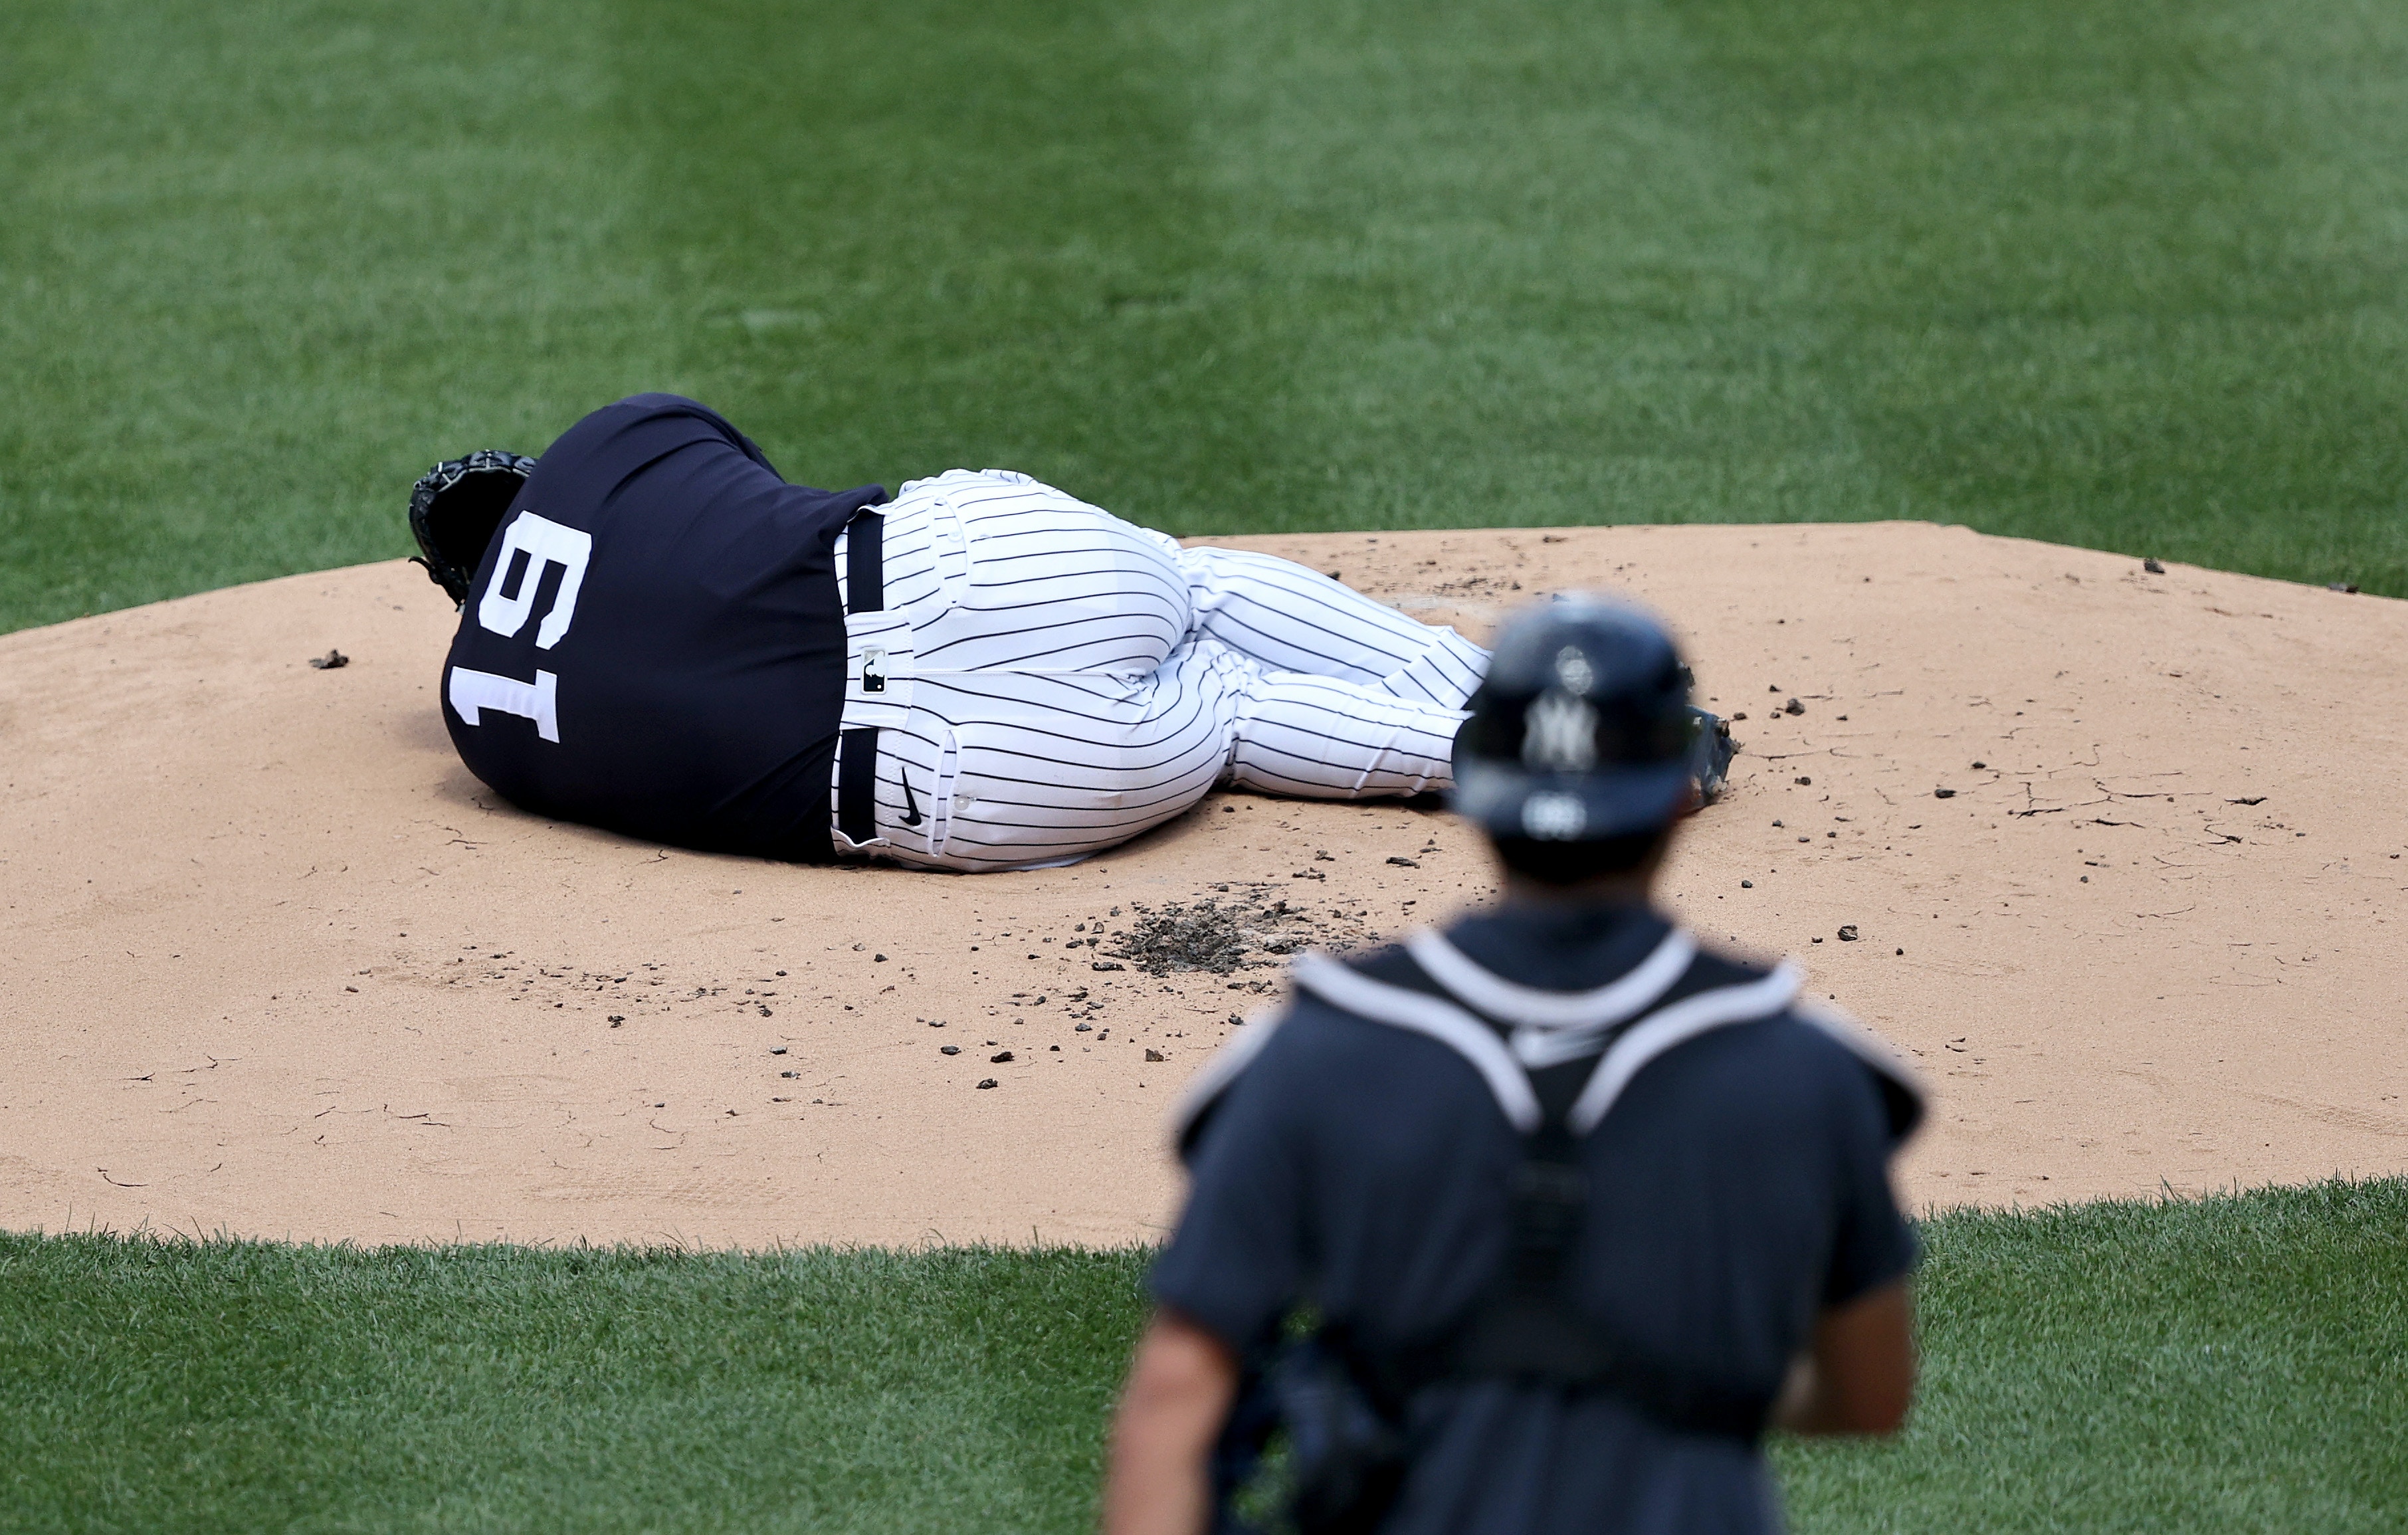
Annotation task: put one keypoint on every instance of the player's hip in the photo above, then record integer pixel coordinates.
(1005, 777)
(998, 570)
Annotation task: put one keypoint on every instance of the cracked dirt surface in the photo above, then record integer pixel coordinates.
(275, 964)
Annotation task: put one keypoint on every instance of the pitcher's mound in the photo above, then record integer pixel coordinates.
(2116, 854)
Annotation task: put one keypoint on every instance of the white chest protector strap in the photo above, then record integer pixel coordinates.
(1551, 1028)
(1504, 1070)
(1352, 991)
(1537, 1015)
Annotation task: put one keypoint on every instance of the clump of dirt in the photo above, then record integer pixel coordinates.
(1215, 934)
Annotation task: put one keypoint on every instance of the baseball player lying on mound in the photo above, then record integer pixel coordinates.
(660, 636)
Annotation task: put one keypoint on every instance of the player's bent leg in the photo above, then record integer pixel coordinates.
(1051, 767)
(1288, 618)
(1065, 694)
(1317, 737)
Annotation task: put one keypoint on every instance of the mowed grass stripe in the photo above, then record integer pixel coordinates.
(243, 1387)
(1520, 275)
(2126, 277)
(265, 261)
(954, 234)
(2230, 1363)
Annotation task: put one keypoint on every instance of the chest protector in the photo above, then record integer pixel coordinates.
(1556, 1062)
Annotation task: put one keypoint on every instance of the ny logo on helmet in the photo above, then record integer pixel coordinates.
(1559, 734)
(1573, 671)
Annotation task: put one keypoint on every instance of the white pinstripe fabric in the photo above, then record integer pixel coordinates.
(1060, 680)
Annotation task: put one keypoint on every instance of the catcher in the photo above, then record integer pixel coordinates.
(1534, 1224)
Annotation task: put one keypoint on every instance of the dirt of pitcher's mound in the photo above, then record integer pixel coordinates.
(2118, 852)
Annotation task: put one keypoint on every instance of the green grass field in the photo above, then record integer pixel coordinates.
(2230, 1364)
(2128, 275)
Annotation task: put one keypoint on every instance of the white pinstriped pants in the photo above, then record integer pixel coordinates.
(1059, 681)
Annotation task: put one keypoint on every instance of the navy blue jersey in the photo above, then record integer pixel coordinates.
(1737, 1186)
(654, 642)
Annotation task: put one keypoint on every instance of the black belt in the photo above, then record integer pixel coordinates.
(856, 755)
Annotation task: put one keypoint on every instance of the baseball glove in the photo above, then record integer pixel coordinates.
(454, 510)
(1710, 758)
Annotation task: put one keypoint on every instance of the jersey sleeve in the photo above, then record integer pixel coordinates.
(1236, 1263)
(1872, 1243)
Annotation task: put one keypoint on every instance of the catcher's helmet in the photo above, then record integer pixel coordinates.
(1582, 730)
